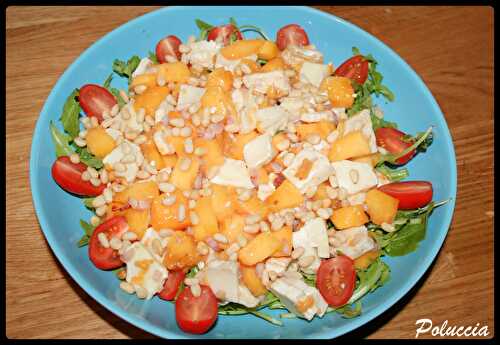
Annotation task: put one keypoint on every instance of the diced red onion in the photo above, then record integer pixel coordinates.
(212, 243)
(277, 168)
(125, 257)
(278, 180)
(139, 204)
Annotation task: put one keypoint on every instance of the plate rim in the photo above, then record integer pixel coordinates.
(149, 327)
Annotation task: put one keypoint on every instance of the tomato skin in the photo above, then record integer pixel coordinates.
(95, 99)
(107, 258)
(411, 194)
(391, 139)
(224, 32)
(355, 68)
(331, 274)
(168, 46)
(291, 34)
(171, 286)
(68, 176)
(196, 314)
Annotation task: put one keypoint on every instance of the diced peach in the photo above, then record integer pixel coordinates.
(321, 193)
(234, 148)
(253, 65)
(232, 228)
(148, 80)
(366, 259)
(177, 72)
(252, 280)
(184, 179)
(371, 159)
(268, 51)
(262, 176)
(163, 216)
(340, 91)
(284, 235)
(285, 196)
(213, 155)
(349, 216)
(260, 248)
(241, 49)
(277, 139)
(139, 191)
(150, 99)
(181, 252)
(273, 65)
(323, 128)
(169, 160)
(207, 224)
(151, 153)
(382, 207)
(252, 206)
(351, 145)
(137, 220)
(222, 78)
(99, 143)
(222, 201)
(215, 96)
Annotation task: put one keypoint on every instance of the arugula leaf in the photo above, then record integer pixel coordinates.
(379, 123)
(89, 159)
(70, 115)
(126, 69)
(424, 145)
(309, 279)
(204, 28)
(261, 62)
(392, 158)
(192, 272)
(118, 97)
(107, 82)
(367, 279)
(245, 28)
(349, 311)
(152, 57)
(266, 317)
(406, 240)
(232, 308)
(233, 22)
(88, 202)
(393, 174)
(88, 229)
(61, 141)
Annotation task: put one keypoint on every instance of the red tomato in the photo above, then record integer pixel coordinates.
(355, 68)
(411, 194)
(391, 139)
(68, 176)
(168, 46)
(223, 33)
(336, 278)
(107, 258)
(291, 34)
(171, 285)
(196, 314)
(95, 99)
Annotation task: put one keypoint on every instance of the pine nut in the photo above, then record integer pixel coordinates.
(101, 211)
(264, 227)
(103, 240)
(252, 219)
(185, 132)
(196, 290)
(251, 229)
(103, 175)
(141, 174)
(141, 292)
(74, 158)
(305, 261)
(354, 175)
(194, 218)
(202, 248)
(297, 253)
(108, 195)
(127, 287)
(156, 244)
(166, 187)
(242, 241)
(95, 182)
(181, 213)
(94, 220)
(98, 201)
(177, 122)
(191, 281)
(191, 204)
(388, 227)
(188, 145)
(233, 248)
(169, 200)
(273, 275)
(115, 243)
(220, 238)
(185, 164)
(129, 236)
(86, 176)
(164, 233)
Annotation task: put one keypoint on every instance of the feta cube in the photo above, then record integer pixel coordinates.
(233, 173)
(265, 190)
(278, 265)
(144, 270)
(189, 95)
(160, 143)
(222, 277)
(320, 171)
(259, 151)
(246, 298)
(293, 292)
(147, 240)
(313, 73)
(294, 55)
(271, 119)
(261, 82)
(366, 176)
(117, 154)
(313, 234)
(353, 242)
(317, 116)
(143, 66)
(113, 133)
(293, 105)
(203, 53)
(246, 106)
(362, 121)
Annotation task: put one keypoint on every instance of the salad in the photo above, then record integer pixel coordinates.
(236, 175)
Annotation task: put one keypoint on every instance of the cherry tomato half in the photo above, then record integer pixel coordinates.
(171, 286)
(223, 33)
(411, 194)
(336, 278)
(168, 46)
(196, 314)
(355, 68)
(291, 34)
(107, 258)
(391, 139)
(95, 99)
(68, 176)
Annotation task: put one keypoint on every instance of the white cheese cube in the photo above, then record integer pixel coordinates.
(362, 121)
(233, 173)
(320, 171)
(293, 105)
(261, 82)
(246, 298)
(313, 73)
(143, 66)
(160, 143)
(353, 242)
(366, 176)
(265, 190)
(246, 107)
(147, 239)
(316, 117)
(259, 151)
(203, 53)
(113, 133)
(144, 270)
(189, 95)
(278, 265)
(222, 277)
(294, 54)
(313, 234)
(271, 119)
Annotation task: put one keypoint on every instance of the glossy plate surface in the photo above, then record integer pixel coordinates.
(414, 110)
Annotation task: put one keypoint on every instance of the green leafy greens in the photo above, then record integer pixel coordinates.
(88, 229)
(125, 69)
(61, 141)
(70, 115)
(393, 174)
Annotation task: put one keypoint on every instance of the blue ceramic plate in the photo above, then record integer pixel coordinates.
(414, 110)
